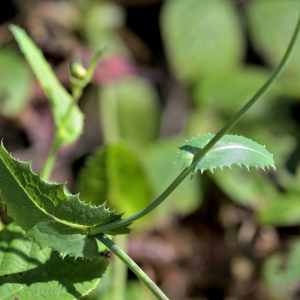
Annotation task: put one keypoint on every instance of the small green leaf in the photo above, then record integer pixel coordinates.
(70, 127)
(230, 150)
(201, 37)
(270, 41)
(14, 83)
(31, 200)
(122, 104)
(115, 173)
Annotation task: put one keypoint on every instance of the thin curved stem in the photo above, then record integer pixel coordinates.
(201, 152)
(114, 248)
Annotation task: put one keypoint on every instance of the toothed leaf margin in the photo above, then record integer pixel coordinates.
(230, 150)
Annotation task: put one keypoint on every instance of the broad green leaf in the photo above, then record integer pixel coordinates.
(271, 26)
(283, 210)
(226, 92)
(18, 253)
(115, 174)
(122, 104)
(252, 192)
(201, 37)
(14, 83)
(57, 279)
(230, 150)
(282, 271)
(31, 200)
(162, 162)
(65, 240)
(70, 127)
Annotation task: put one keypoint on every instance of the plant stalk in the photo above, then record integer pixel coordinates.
(76, 94)
(156, 291)
(202, 152)
(119, 272)
(50, 161)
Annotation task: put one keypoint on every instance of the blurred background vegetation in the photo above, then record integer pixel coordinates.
(171, 69)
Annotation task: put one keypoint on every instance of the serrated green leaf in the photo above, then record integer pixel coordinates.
(57, 279)
(14, 83)
(230, 150)
(122, 103)
(31, 200)
(65, 240)
(201, 37)
(270, 41)
(69, 127)
(18, 253)
(115, 173)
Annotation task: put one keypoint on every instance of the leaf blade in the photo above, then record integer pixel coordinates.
(71, 127)
(31, 200)
(230, 150)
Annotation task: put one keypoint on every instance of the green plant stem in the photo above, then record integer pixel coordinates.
(76, 94)
(133, 267)
(119, 272)
(50, 161)
(201, 153)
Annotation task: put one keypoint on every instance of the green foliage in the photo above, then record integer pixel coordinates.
(14, 83)
(115, 174)
(54, 217)
(65, 240)
(68, 121)
(186, 198)
(100, 24)
(283, 209)
(123, 104)
(201, 37)
(34, 273)
(253, 191)
(230, 150)
(31, 200)
(226, 91)
(271, 24)
(18, 253)
(281, 273)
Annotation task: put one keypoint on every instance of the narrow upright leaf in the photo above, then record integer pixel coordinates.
(14, 83)
(230, 150)
(71, 127)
